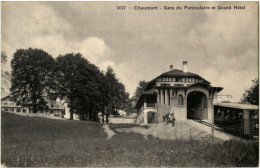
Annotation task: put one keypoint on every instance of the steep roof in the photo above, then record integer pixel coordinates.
(180, 73)
(175, 73)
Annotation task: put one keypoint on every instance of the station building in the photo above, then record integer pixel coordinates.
(187, 95)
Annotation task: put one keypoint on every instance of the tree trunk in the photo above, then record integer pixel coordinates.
(71, 113)
(107, 115)
(34, 108)
(103, 114)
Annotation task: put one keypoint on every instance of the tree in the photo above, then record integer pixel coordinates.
(3, 57)
(5, 76)
(251, 95)
(115, 93)
(77, 82)
(32, 72)
(140, 88)
(130, 107)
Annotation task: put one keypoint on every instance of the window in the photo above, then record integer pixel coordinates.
(169, 97)
(173, 79)
(24, 110)
(179, 79)
(193, 80)
(165, 84)
(183, 79)
(180, 100)
(12, 109)
(11, 104)
(18, 110)
(160, 97)
(163, 97)
(6, 109)
(178, 84)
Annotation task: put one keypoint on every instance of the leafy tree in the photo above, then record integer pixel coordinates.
(5, 76)
(140, 88)
(115, 93)
(77, 82)
(3, 57)
(32, 72)
(130, 107)
(251, 95)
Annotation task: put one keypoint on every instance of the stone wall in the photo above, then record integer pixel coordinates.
(180, 111)
(162, 110)
(122, 120)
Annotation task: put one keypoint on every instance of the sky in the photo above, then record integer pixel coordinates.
(219, 45)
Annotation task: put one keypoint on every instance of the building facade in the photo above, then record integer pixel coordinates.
(56, 109)
(184, 94)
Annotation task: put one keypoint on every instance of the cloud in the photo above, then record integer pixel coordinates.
(221, 46)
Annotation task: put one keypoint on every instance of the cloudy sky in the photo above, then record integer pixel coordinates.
(219, 45)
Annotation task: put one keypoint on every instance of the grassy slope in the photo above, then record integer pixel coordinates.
(33, 141)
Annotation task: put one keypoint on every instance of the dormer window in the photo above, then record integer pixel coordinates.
(179, 79)
(165, 84)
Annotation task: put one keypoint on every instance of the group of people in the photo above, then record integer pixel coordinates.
(169, 118)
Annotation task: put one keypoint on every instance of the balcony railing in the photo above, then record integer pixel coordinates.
(150, 105)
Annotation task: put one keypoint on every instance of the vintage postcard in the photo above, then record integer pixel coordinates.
(130, 84)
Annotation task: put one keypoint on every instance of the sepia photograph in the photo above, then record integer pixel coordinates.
(129, 84)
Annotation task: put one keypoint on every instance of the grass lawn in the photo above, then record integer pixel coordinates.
(41, 142)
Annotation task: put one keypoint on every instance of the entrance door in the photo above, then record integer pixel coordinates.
(150, 117)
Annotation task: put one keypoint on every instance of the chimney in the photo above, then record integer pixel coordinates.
(185, 66)
(171, 67)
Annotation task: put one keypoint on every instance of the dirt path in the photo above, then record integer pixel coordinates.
(109, 132)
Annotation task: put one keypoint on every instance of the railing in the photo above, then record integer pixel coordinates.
(150, 105)
(139, 117)
(248, 130)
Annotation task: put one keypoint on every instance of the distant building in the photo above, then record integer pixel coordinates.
(55, 108)
(185, 94)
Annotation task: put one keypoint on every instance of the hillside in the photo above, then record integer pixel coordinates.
(42, 142)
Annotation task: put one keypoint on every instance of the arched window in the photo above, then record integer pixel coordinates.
(180, 100)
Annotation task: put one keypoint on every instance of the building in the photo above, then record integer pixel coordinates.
(55, 108)
(187, 95)
(7, 105)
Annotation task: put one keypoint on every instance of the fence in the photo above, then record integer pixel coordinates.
(247, 129)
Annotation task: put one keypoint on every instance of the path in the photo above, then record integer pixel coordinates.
(109, 132)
